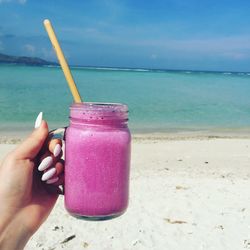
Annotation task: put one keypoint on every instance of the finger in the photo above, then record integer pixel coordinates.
(33, 144)
(59, 166)
(52, 180)
(52, 173)
(46, 161)
(48, 174)
(57, 181)
(55, 147)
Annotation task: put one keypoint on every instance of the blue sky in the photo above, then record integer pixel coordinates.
(170, 34)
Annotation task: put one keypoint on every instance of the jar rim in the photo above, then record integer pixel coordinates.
(100, 106)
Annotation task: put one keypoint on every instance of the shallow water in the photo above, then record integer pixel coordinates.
(158, 100)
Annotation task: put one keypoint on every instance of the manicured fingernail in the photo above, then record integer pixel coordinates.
(47, 175)
(57, 150)
(45, 163)
(39, 120)
(53, 180)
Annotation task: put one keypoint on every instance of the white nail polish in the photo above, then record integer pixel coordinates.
(47, 175)
(53, 180)
(45, 163)
(57, 150)
(39, 120)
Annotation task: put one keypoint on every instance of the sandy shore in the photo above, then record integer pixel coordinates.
(185, 194)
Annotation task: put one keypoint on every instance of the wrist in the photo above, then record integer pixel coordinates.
(13, 235)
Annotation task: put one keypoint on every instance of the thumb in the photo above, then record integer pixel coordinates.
(33, 144)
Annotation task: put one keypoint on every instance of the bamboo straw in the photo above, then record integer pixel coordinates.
(62, 61)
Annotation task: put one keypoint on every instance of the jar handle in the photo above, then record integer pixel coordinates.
(58, 133)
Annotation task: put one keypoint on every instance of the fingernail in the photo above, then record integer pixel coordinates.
(47, 175)
(39, 120)
(57, 150)
(45, 163)
(53, 180)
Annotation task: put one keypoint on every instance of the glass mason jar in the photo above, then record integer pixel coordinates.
(97, 160)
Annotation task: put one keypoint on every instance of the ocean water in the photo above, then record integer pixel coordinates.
(158, 100)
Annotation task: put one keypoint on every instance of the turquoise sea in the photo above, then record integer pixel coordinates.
(158, 100)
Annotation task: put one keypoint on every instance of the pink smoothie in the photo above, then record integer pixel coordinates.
(97, 161)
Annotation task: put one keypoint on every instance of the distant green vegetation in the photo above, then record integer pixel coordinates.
(24, 60)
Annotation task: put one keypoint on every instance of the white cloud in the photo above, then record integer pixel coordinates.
(48, 54)
(30, 48)
(236, 55)
(215, 44)
(154, 56)
(13, 1)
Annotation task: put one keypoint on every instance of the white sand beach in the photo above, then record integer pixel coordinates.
(185, 194)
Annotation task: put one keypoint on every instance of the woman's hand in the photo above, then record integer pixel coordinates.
(29, 179)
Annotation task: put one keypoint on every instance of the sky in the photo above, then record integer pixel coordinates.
(165, 34)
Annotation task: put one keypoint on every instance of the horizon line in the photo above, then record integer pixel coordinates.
(56, 64)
